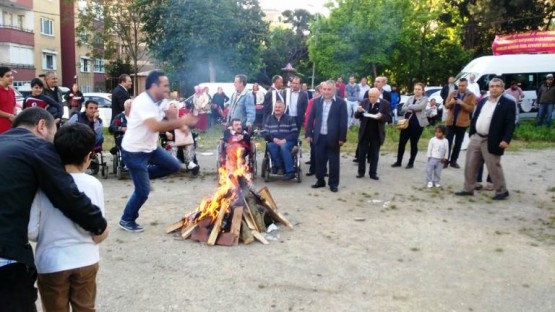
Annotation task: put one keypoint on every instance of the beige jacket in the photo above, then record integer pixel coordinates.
(418, 108)
(465, 114)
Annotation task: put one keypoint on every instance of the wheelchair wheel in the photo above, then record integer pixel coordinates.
(299, 174)
(265, 169)
(119, 173)
(115, 163)
(104, 171)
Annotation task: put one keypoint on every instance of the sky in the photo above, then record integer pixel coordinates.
(313, 6)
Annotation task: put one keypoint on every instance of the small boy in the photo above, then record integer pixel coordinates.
(38, 99)
(66, 255)
(438, 154)
(236, 136)
(431, 111)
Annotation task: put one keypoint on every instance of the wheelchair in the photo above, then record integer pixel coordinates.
(117, 162)
(98, 164)
(296, 153)
(178, 152)
(250, 157)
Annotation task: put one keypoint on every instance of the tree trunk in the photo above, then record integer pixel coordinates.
(211, 71)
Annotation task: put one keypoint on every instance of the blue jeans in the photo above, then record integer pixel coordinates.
(143, 167)
(281, 154)
(545, 111)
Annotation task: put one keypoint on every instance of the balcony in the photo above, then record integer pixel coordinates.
(17, 4)
(17, 35)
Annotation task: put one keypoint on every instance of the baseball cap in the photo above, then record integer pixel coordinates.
(549, 76)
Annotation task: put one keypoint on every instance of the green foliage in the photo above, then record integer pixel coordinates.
(528, 132)
(194, 36)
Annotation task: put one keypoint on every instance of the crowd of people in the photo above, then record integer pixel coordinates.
(45, 161)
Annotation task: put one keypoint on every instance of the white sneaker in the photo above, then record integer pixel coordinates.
(438, 185)
(430, 184)
(192, 165)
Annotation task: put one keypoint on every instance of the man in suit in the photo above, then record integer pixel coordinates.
(273, 95)
(296, 101)
(491, 131)
(120, 94)
(241, 104)
(371, 134)
(327, 128)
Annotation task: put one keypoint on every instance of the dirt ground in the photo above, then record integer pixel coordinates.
(387, 245)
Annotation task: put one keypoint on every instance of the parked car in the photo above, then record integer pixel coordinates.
(104, 101)
(429, 92)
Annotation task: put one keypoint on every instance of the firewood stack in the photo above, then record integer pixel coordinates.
(234, 212)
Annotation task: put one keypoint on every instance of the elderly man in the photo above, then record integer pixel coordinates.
(51, 88)
(373, 113)
(473, 86)
(282, 137)
(327, 128)
(28, 161)
(273, 95)
(460, 104)
(91, 118)
(241, 105)
(491, 131)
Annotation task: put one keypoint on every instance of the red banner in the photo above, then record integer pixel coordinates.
(529, 42)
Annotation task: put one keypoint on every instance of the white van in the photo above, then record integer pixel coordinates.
(528, 70)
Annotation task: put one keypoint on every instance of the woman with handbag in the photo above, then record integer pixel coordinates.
(414, 110)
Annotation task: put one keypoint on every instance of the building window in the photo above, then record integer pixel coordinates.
(48, 61)
(85, 65)
(98, 65)
(20, 21)
(46, 27)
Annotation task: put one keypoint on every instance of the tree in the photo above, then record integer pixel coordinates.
(483, 19)
(299, 19)
(200, 40)
(357, 36)
(120, 35)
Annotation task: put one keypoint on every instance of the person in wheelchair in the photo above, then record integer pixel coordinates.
(235, 136)
(119, 125)
(185, 141)
(282, 135)
(91, 117)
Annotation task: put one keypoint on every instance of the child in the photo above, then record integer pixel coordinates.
(431, 111)
(438, 153)
(66, 255)
(38, 99)
(236, 136)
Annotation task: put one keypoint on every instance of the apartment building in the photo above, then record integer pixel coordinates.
(47, 50)
(17, 38)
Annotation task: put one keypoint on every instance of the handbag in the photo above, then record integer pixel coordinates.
(182, 139)
(404, 123)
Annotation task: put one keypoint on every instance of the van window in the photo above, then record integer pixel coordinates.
(526, 81)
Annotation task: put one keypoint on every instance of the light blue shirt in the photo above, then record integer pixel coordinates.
(326, 105)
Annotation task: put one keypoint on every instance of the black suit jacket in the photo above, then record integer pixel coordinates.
(302, 104)
(502, 123)
(119, 96)
(445, 92)
(385, 110)
(268, 105)
(337, 121)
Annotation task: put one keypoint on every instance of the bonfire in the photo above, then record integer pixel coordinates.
(236, 211)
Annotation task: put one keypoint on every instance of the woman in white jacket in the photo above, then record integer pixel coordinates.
(414, 109)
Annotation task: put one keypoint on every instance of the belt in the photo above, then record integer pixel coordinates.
(482, 135)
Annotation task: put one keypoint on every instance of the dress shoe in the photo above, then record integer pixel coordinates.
(360, 175)
(288, 176)
(374, 177)
(308, 174)
(455, 165)
(333, 189)
(355, 160)
(464, 193)
(409, 166)
(501, 196)
(397, 164)
(318, 184)
(307, 162)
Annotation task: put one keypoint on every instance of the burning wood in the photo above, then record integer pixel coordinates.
(236, 211)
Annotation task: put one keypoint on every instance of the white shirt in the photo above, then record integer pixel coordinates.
(325, 113)
(363, 90)
(387, 88)
(293, 99)
(138, 137)
(438, 148)
(61, 244)
(484, 119)
(474, 88)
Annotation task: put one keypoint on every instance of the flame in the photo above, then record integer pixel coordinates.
(229, 186)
